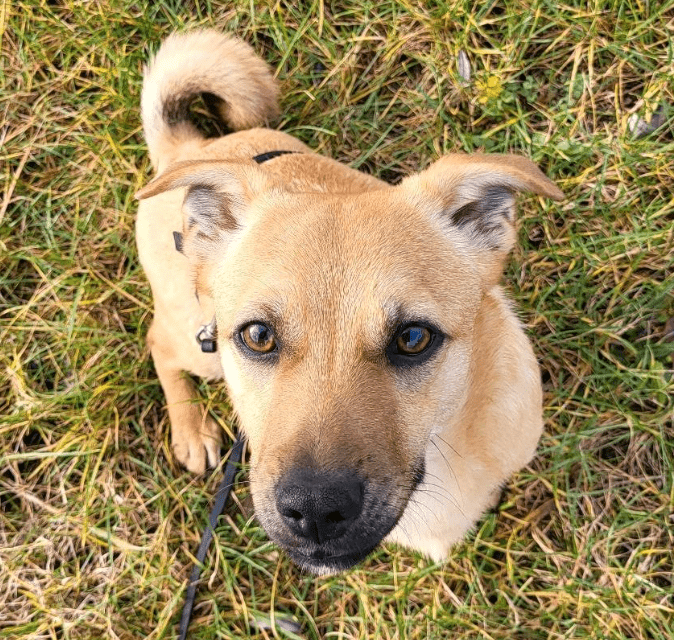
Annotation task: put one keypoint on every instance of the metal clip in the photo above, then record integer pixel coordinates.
(206, 337)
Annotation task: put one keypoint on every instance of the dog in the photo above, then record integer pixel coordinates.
(384, 385)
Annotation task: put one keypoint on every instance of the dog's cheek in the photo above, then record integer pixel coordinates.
(454, 381)
(427, 411)
(232, 373)
(250, 397)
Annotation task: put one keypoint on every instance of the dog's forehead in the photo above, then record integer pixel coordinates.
(345, 256)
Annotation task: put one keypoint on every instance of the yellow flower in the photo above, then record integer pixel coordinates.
(489, 89)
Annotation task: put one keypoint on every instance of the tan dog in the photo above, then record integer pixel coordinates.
(385, 387)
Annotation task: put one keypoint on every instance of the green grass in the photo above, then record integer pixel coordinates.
(98, 525)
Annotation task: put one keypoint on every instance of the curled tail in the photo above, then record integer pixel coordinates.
(203, 62)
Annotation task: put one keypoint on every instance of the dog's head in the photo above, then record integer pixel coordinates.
(345, 327)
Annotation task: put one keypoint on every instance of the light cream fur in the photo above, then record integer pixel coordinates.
(334, 256)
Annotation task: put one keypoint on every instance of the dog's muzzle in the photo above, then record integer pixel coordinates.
(321, 521)
(329, 520)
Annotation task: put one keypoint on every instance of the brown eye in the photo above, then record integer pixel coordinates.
(413, 340)
(258, 337)
(414, 344)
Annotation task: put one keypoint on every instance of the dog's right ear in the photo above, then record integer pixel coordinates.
(216, 201)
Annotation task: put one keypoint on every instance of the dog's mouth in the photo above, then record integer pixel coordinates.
(324, 563)
(338, 554)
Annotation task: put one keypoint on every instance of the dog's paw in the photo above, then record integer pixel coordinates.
(198, 448)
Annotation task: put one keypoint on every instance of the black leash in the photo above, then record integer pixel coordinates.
(221, 498)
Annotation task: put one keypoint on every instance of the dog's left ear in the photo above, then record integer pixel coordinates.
(473, 196)
(240, 180)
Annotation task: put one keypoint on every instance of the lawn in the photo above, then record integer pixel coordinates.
(99, 526)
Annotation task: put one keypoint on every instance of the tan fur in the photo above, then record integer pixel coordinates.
(335, 260)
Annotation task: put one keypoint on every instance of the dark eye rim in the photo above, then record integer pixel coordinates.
(247, 350)
(402, 360)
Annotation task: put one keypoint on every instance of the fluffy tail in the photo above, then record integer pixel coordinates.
(203, 62)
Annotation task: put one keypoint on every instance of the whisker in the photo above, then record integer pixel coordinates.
(421, 508)
(439, 437)
(449, 466)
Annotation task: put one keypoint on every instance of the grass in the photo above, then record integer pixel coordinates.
(98, 526)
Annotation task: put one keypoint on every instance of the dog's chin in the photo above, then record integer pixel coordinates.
(325, 564)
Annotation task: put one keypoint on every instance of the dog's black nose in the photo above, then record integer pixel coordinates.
(319, 506)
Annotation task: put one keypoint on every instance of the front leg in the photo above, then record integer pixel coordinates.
(195, 437)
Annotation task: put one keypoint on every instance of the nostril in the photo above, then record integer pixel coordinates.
(291, 513)
(334, 517)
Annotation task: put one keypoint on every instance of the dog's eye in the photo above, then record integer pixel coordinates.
(413, 344)
(413, 340)
(258, 337)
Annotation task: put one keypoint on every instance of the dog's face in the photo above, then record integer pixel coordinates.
(345, 328)
(346, 337)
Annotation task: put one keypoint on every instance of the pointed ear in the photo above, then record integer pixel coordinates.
(217, 197)
(217, 202)
(474, 198)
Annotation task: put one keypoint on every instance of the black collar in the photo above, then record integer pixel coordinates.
(263, 157)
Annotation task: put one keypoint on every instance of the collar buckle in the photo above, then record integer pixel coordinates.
(206, 337)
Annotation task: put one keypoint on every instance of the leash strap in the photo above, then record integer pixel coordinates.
(221, 498)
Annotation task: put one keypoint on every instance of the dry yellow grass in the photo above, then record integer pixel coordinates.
(98, 526)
